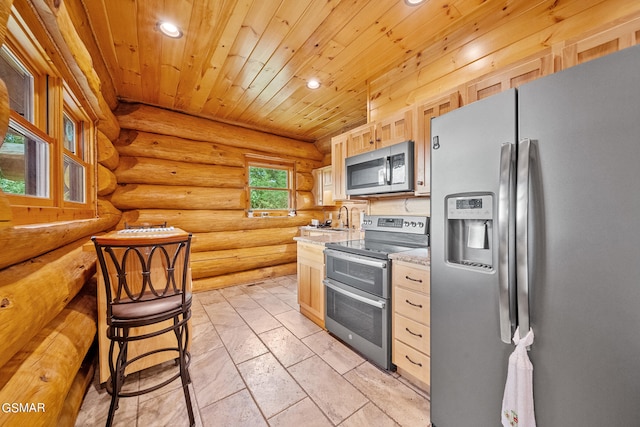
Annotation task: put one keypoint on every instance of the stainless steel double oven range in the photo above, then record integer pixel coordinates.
(358, 282)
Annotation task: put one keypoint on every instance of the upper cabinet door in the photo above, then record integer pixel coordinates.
(425, 112)
(394, 129)
(338, 155)
(361, 140)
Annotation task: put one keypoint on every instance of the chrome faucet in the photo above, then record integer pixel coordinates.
(347, 215)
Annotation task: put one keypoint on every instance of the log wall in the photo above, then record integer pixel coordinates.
(191, 173)
(47, 281)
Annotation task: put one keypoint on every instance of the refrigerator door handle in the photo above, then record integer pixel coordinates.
(522, 234)
(505, 239)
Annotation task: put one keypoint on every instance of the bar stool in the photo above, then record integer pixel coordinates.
(148, 293)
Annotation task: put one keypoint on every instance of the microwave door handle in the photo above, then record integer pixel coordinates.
(387, 169)
(374, 303)
(505, 241)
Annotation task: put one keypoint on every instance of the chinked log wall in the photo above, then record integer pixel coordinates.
(190, 172)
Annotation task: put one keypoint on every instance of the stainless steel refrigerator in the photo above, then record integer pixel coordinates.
(535, 221)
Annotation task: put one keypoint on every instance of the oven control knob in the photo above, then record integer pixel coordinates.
(421, 224)
(413, 224)
(406, 223)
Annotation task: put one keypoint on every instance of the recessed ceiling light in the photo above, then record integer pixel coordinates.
(413, 2)
(169, 29)
(313, 84)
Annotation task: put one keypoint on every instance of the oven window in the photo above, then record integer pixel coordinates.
(372, 279)
(357, 271)
(360, 318)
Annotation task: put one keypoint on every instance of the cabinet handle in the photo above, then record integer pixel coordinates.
(371, 141)
(420, 182)
(415, 363)
(413, 333)
(415, 305)
(412, 279)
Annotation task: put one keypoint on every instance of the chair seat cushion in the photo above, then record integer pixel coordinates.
(149, 309)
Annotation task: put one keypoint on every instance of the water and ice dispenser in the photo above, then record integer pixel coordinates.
(470, 231)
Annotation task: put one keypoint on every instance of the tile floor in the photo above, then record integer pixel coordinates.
(256, 361)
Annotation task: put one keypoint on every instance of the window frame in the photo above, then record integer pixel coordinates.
(271, 163)
(52, 99)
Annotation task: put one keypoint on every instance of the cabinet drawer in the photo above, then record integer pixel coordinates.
(411, 277)
(412, 361)
(413, 305)
(412, 333)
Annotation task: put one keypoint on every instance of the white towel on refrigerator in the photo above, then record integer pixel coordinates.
(517, 402)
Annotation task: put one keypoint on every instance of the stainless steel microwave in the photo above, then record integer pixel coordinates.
(385, 170)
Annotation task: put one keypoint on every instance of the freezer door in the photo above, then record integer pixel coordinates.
(585, 283)
(468, 357)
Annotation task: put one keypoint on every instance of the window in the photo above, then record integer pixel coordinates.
(74, 164)
(46, 156)
(270, 185)
(24, 161)
(19, 82)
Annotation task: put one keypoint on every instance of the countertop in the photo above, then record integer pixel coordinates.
(329, 236)
(420, 256)
(417, 256)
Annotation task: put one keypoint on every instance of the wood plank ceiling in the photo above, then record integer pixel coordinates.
(247, 61)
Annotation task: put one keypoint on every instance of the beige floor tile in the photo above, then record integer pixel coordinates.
(329, 390)
(242, 300)
(214, 377)
(204, 338)
(231, 291)
(270, 384)
(304, 413)
(156, 375)
(285, 346)
(242, 343)
(400, 402)
(271, 303)
(209, 297)
(95, 408)
(198, 314)
(298, 324)
(258, 319)
(336, 354)
(222, 314)
(168, 409)
(238, 410)
(370, 415)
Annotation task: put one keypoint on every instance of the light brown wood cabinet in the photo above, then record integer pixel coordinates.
(382, 133)
(338, 175)
(411, 339)
(311, 272)
(323, 186)
(424, 113)
(516, 75)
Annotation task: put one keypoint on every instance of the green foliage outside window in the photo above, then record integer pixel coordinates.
(269, 188)
(13, 147)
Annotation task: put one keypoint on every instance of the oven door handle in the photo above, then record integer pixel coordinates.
(354, 258)
(374, 303)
